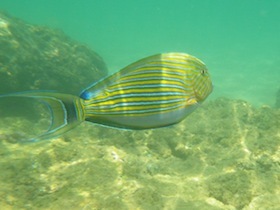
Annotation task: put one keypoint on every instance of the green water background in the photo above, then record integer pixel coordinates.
(237, 39)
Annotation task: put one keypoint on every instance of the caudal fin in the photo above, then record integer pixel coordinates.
(66, 112)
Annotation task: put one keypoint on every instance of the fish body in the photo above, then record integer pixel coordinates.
(153, 92)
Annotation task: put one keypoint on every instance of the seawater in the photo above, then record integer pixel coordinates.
(224, 156)
(238, 40)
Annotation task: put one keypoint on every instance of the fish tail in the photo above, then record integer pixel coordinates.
(66, 112)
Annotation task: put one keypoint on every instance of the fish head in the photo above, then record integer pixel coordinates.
(201, 80)
(202, 85)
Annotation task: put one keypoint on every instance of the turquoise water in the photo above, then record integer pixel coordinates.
(238, 40)
(224, 156)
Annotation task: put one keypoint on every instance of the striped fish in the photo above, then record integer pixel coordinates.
(153, 92)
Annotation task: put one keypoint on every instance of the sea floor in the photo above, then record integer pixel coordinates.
(226, 155)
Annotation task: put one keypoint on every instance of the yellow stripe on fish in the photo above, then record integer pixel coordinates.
(153, 92)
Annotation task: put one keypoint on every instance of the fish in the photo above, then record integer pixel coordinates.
(153, 92)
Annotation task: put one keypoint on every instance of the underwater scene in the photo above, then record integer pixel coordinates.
(139, 105)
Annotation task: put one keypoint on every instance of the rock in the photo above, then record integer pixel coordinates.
(36, 57)
(223, 156)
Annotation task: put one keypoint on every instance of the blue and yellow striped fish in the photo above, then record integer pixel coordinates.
(153, 92)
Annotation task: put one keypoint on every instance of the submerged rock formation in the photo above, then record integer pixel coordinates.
(35, 57)
(223, 156)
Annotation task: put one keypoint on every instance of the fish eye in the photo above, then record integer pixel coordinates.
(203, 71)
